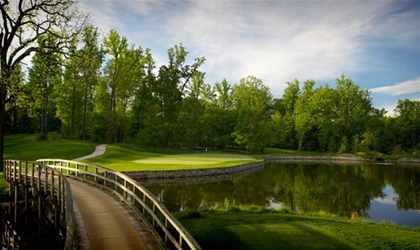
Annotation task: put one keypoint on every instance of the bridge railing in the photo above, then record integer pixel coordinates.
(48, 180)
(137, 197)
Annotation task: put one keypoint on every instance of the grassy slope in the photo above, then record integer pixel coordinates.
(27, 148)
(246, 230)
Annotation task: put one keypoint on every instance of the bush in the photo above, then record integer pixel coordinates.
(188, 214)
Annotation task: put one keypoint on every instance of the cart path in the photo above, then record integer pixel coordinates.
(100, 149)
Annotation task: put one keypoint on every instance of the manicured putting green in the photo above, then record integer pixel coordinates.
(194, 159)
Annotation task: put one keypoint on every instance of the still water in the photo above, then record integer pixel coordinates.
(371, 191)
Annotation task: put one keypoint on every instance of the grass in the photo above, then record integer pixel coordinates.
(236, 228)
(28, 148)
(244, 229)
(4, 187)
(128, 157)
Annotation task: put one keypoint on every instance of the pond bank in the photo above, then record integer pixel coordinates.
(222, 173)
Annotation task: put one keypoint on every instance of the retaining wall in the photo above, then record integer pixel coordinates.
(323, 158)
(222, 173)
(194, 176)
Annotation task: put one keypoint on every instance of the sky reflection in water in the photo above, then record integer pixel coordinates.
(376, 192)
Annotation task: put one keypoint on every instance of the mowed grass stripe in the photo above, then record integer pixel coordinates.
(195, 159)
(127, 157)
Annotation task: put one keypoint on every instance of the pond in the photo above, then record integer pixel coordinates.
(372, 191)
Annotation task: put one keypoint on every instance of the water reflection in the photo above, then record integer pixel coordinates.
(363, 190)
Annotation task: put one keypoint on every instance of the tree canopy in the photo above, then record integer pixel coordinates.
(109, 90)
(22, 25)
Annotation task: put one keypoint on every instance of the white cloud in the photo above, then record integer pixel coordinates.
(402, 88)
(273, 40)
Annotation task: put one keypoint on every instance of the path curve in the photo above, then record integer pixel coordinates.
(100, 149)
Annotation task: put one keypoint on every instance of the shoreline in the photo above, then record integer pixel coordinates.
(222, 173)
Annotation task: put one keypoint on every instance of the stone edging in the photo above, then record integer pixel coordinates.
(228, 172)
(408, 160)
(324, 158)
(222, 172)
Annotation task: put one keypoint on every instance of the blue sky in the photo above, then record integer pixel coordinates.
(374, 42)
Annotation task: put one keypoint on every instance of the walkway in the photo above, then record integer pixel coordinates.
(105, 223)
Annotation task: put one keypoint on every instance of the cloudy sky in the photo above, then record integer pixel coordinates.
(374, 42)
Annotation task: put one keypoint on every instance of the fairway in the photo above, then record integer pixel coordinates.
(194, 159)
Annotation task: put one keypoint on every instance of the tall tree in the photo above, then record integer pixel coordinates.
(192, 110)
(22, 23)
(251, 98)
(122, 75)
(287, 106)
(353, 106)
(170, 87)
(408, 122)
(224, 94)
(76, 94)
(304, 112)
(44, 75)
(323, 102)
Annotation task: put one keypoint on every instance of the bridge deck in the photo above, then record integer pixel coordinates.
(107, 223)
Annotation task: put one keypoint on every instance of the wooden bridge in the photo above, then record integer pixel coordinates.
(94, 207)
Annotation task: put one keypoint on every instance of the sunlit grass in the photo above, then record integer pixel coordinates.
(28, 148)
(127, 157)
(276, 230)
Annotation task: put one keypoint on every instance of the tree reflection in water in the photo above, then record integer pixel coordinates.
(344, 190)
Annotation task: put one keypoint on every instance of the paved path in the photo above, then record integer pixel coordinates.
(103, 222)
(100, 149)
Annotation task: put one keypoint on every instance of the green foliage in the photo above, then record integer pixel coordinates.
(4, 187)
(251, 98)
(113, 92)
(188, 214)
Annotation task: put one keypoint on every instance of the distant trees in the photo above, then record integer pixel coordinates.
(111, 91)
(408, 124)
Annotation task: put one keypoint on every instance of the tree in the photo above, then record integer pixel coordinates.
(408, 122)
(22, 23)
(304, 112)
(170, 87)
(75, 95)
(251, 99)
(192, 110)
(352, 107)
(122, 75)
(224, 94)
(287, 108)
(44, 75)
(323, 102)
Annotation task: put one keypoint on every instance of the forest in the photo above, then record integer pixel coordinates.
(112, 91)
(82, 84)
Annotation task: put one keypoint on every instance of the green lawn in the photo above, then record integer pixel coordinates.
(236, 229)
(127, 157)
(28, 148)
(247, 230)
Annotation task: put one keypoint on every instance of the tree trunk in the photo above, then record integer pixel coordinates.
(3, 94)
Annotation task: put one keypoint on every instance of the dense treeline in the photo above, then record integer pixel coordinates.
(111, 91)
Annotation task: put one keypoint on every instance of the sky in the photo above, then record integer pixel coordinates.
(376, 43)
